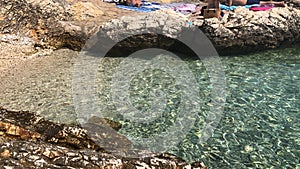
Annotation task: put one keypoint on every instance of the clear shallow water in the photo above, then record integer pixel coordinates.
(260, 126)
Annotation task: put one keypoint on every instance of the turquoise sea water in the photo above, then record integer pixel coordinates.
(259, 127)
(260, 124)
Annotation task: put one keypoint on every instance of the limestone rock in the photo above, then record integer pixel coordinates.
(129, 34)
(69, 23)
(85, 10)
(293, 3)
(53, 23)
(29, 141)
(246, 30)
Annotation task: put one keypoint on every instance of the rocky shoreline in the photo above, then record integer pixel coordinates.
(29, 141)
(246, 31)
(33, 28)
(57, 24)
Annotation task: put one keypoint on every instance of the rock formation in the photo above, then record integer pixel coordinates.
(29, 141)
(52, 23)
(245, 30)
(56, 24)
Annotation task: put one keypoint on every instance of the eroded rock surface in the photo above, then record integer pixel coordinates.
(132, 33)
(293, 3)
(53, 23)
(69, 23)
(247, 30)
(29, 141)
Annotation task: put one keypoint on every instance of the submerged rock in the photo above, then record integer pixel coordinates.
(29, 141)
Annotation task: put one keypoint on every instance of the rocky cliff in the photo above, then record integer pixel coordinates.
(56, 24)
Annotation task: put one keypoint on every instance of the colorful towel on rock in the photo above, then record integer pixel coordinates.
(225, 7)
(153, 6)
(146, 7)
(181, 7)
(111, 1)
(253, 7)
(262, 7)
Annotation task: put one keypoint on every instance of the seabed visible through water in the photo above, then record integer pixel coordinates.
(260, 126)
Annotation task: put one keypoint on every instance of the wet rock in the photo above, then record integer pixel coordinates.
(104, 121)
(69, 146)
(28, 126)
(16, 131)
